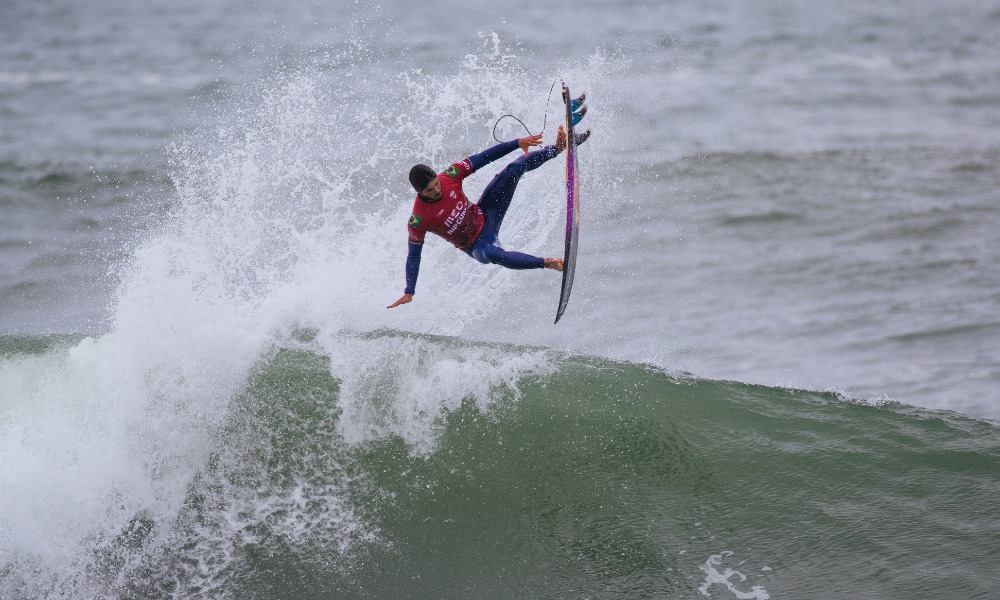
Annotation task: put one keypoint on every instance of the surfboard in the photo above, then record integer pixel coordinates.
(574, 112)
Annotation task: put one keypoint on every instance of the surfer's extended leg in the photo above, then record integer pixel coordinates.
(494, 203)
(488, 252)
(491, 253)
(498, 194)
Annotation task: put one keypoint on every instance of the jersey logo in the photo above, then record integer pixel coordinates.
(452, 171)
(414, 221)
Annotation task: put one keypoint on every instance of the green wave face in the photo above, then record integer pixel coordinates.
(578, 477)
(614, 480)
(618, 481)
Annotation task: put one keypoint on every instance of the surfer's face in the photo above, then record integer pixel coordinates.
(433, 190)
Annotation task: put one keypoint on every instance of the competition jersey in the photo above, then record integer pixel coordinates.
(452, 217)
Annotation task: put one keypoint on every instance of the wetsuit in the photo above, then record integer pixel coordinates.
(473, 228)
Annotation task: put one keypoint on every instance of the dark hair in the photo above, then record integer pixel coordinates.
(420, 176)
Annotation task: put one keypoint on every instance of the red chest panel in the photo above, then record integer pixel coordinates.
(452, 217)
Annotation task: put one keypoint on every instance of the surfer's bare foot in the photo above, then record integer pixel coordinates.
(556, 264)
(560, 141)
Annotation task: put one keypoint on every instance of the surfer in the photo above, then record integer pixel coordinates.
(442, 208)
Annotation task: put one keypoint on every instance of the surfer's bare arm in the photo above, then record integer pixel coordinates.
(406, 299)
(556, 264)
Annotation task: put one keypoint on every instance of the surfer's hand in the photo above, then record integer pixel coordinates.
(560, 140)
(556, 264)
(528, 142)
(406, 299)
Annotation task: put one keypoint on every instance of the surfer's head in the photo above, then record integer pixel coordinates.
(425, 181)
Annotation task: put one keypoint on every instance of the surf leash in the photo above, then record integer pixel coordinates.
(545, 116)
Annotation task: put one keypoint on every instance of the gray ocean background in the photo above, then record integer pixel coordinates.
(203, 200)
(782, 194)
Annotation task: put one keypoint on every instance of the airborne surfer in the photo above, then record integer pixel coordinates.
(442, 208)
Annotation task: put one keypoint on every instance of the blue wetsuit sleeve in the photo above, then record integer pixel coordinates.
(489, 155)
(412, 267)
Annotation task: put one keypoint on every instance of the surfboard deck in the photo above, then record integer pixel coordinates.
(574, 112)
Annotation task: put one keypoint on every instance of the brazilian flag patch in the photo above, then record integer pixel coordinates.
(414, 221)
(452, 171)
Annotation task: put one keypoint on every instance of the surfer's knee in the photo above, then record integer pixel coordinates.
(515, 169)
(482, 254)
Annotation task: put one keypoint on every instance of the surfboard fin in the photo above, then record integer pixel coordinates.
(578, 115)
(576, 103)
(580, 138)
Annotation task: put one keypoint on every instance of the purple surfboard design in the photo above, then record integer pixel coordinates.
(572, 207)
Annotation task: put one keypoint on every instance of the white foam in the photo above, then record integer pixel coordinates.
(714, 577)
(291, 215)
(405, 386)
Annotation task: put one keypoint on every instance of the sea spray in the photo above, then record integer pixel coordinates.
(125, 452)
(404, 387)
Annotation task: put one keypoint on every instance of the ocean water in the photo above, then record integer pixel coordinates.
(777, 376)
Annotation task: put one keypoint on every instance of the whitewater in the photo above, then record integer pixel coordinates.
(776, 378)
